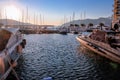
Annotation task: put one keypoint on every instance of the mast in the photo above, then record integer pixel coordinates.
(0, 16)
(23, 19)
(80, 18)
(26, 15)
(73, 17)
(34, 20)
(84, 15)
(40, 20)
(6, 17)
(43, 19)
(64, 20)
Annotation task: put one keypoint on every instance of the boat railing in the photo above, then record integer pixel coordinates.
(4, 75)
(101, 44)
(15, 40)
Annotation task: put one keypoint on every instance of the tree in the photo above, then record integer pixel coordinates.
(83, 25)
(90, 25)
(101, 25)
(71, 24)
(76, 25)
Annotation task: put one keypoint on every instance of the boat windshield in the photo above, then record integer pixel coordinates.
(4, 37)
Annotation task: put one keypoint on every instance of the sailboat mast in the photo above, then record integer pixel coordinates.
(73, 17)
(34, 20)
(6, 17)
(43, 19)
(84, 15)
(22, 18)
(40, 20)
(26, 15)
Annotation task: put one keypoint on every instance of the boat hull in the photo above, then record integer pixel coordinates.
(99, 50)
(11, 52)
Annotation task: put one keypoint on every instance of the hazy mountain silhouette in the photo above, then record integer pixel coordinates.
(12, 22)
(106, 21)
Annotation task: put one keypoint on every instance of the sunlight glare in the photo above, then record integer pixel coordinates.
(12, 12)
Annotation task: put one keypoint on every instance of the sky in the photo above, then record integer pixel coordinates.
(56, 12)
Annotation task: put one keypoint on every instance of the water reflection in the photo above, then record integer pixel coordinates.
(62, 58)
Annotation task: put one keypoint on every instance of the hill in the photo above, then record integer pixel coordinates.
(12, 22)
(106, 21)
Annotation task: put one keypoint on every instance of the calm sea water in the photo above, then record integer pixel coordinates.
(63, 58)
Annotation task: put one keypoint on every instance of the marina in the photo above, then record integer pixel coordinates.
(37, 43)
(62, 57)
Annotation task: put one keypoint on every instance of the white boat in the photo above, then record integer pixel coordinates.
(11, 45)
(106, 44)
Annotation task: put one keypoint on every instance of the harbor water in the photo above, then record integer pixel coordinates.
(61, 57)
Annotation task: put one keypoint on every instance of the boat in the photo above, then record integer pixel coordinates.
(105, 43)
(63, 31)
(11, 45)
(75, 32)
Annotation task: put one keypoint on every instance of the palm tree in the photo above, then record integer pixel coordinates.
(71, 24)
(83, 25)
(90, 25)
(76, 25)
(101, 25)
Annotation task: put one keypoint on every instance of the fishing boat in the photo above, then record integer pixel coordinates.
(11, 45)
(105, 43)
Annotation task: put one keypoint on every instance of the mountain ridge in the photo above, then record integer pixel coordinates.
(107, 21)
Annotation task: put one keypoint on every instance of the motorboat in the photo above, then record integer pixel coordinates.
(11, 46)
(105, 43)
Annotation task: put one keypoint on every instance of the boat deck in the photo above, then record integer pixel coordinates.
(101, 48)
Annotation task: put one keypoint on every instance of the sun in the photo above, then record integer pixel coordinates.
(12, 12)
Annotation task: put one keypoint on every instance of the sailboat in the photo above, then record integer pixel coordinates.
(63, 29)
